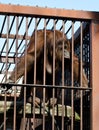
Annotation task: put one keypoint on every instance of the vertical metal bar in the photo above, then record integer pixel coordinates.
(54, 22)
(91, 30)
(53, 125)
(63, 25)
(72, 77)
(44, 72)
(34, 89)
(95, 73)
(25, 76)
(16, 61)
(81, 92)
(7, 46)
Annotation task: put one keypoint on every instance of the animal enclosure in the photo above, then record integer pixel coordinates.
(45, 68)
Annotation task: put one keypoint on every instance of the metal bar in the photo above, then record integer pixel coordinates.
(5, 118)
(10, 59)
(63, 44)
(12, 36)
(72, 77)
(16, 61)
(25, 76)
(34, 90)
(48, 86)
(81, 92)
(53, 90)
(95, 74)
(47, 12)
(44, 74)
(90, 72)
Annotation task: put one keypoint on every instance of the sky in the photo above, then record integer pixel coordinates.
(87, 5)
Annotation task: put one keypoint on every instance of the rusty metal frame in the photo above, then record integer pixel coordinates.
(48, 13)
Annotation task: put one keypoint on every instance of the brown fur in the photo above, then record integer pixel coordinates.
(39, 50)
(59, 39)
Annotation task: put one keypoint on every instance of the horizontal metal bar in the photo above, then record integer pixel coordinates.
(45, 86)
(47, 12)
(12, 36)
(9, 60)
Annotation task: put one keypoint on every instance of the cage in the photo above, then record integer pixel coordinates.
(45, 69)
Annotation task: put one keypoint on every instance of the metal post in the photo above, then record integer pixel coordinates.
(95, 74)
